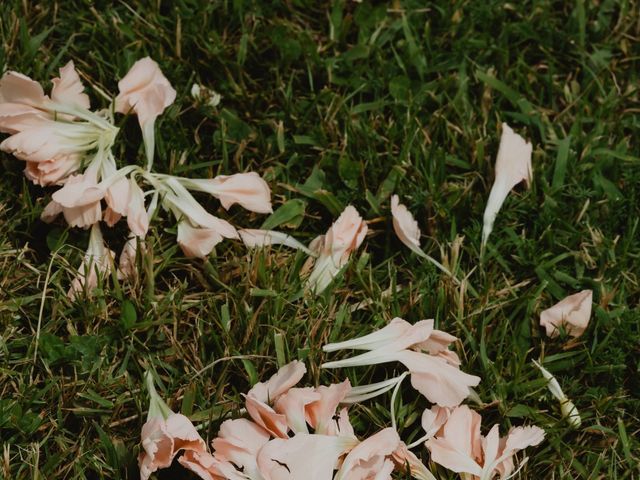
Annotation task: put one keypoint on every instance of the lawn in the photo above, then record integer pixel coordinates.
(337, 104)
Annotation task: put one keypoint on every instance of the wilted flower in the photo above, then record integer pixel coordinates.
(52, 135)
(165, 434)
(572, 314)
(567, 407)
(344, 237)
(513, 165)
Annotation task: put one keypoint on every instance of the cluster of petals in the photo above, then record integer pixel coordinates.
(52, 134)
(424, 351)
(291, 433)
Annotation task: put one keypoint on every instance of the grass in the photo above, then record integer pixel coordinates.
(355, 101)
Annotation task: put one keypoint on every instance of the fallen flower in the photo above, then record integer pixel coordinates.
(238, 442)
(408, 232)
(438, 380)
(513, 165)
(165, 434)
(343, 237)
(572, 314)
(460, 447)
(568, 409)
(261, 395)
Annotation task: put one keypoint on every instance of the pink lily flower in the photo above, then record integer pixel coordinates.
(52, 135)
(344, 237)
(432, 375)
(321, 413)
(573, 313)
(461, 447)
(164, 435)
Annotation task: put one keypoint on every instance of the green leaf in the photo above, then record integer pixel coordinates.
(289, 214)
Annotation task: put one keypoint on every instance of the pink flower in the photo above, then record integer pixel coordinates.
(321, 413)
(248, 190)
(572, 314)
(513, 165)
(79, 201)
(98, 260)
(344, 237)
(53, 135)
(164, 435)
(440, 381)
(125, 198)
(461, 447)
(406, 462)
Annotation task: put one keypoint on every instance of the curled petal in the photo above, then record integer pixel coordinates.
(573, 313)
(145, 90)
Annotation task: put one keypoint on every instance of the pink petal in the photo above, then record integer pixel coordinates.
(197, 242)
(145, 90)
(18, 88)
(239, 442)
(404, 224)
(68, 89)
(573, 313)
(310, 457)
(246, 189)
(441, 383)
(292, 404)
(266, 417)
(278, 384)
(369, 456)
(320, 413)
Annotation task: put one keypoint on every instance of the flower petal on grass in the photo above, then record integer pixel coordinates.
(513, 165)
(572, 313)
